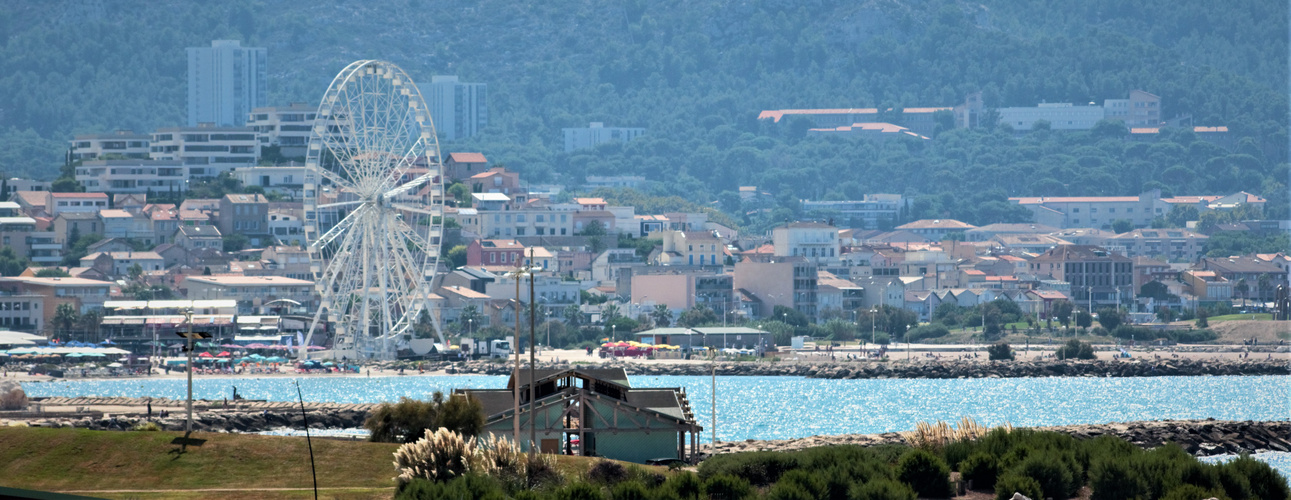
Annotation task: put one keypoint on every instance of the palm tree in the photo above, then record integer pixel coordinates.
(573, 316)
(609, 312)
(1242, 288)
(470, 316)
(89, 322)
(661, 316)
(65, 317)
(1261, 285)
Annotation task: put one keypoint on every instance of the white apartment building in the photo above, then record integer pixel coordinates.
(1141, 109)
(1094, 211)
(133, 176)
(288, 181)
(14, 184)
(526, 222)
(286, 227)
(597, 133)
(225, 82)
(1173, 245)
(549, 290)
(287, 127)
(57, 203)
(122, 143)
(867, 212)
(206, 148)
(813, 240)
(123, 224)
(458, 109)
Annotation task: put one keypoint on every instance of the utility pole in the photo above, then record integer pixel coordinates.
(188, 425)
(533, 421)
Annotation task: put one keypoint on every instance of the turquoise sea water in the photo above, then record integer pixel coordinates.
(788, 407)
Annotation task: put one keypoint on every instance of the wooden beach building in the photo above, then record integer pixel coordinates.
(594, 412)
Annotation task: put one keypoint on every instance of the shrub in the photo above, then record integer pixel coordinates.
(1011, 483)
(409, 419)
(1128, 332)
(1053, 471)
(607, 472)
(881, 489)
(146, 427)
(629, 490)
(798, 484)
(759, 468)
(726, 487)
(929, 331)
(468, 486)
(1114, 479)
(981, 469)
(1193, 336)
(1075, 349)
(684, 485)
(577, 491)
(1265, 483)
(1000, 351)
(926, 473)
(440, 456)
(1191, 492)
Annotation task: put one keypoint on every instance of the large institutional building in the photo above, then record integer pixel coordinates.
(225, 82)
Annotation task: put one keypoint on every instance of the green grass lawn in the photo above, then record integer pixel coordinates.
(1239, 317)
(148, 465)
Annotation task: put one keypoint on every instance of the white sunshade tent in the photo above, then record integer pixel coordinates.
(19, 338)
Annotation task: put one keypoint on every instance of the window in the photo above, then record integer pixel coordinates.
(1075, 210)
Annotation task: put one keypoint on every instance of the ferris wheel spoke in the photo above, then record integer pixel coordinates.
(339, 204)
(339, 229)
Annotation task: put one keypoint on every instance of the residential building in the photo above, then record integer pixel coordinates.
(1029, 243)
(1174, 245)
(122, 144)
(288, 181)
(83, 294)
(688, 248)
(607, 265)
(460, 166)
(253, 293)
(815, 241)
(287, 128)
(225, 82)
(1207, 286)
(495, 253)
(58, 203)
(245, 214)
(286, 227)
(133, 176)
(208, 150)
(458, 109)
(472, 278)
(13, 185)
(121, 262)
(287, 261)
(595, 133)
(838, 294)
(199, 237)
(1208, 203)
(16, 228)
(785, 281)
(1147, 270)
(936, 229)
(871, 212)
(990, 231)
(1095, 211)
(678, 289)
(1251, 269)
(497, 180)
(126, 225)
(20, 312)
(1097, 276)
(550, 291)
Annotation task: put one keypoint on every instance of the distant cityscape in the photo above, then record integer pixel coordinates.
(132, 229)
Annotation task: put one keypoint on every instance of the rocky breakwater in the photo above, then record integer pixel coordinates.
(927, 369)
(217, 421)
(1198, 437)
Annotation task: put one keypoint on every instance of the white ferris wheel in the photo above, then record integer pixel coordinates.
(373, 200)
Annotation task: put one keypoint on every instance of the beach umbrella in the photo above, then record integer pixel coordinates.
(204, 355)
(93, 355)
(176, 346)
(329, 363)
(223, 354)
(115, 365)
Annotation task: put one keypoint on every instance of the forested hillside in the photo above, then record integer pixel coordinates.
(696, 74)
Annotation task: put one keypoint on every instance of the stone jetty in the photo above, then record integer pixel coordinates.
(921, 369)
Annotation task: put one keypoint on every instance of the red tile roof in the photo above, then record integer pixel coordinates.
(467, 157)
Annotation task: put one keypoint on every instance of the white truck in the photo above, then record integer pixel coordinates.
(490, 349)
